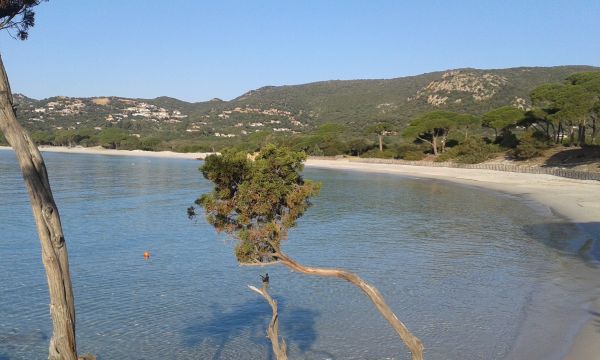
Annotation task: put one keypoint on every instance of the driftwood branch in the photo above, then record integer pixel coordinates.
(412, 342)
(54, 251)
(279, 348)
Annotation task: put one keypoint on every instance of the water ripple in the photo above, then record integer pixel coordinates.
(466, 270)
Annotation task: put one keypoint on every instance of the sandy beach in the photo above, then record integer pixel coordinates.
(98, 150)
(576, 200)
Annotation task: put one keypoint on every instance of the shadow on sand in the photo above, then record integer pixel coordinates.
(588, 155)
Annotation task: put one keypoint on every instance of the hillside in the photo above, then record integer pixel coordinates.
(298, 108)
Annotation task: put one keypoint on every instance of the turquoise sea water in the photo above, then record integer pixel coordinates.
(472, 273)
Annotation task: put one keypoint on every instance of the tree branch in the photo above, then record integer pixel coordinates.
(412, 342)
(279, 348)
(427, 141)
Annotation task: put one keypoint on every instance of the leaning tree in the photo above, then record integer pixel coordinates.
(257, 201)
(17, 17)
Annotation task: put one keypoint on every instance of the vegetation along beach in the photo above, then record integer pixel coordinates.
(315, 180)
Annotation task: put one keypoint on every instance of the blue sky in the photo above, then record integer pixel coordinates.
(197, 50)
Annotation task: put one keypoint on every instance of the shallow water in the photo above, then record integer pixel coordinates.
(468, 271)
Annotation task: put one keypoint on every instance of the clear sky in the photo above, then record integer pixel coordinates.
(198, 50)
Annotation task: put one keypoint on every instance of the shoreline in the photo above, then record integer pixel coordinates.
(578, 201)
(98, 150)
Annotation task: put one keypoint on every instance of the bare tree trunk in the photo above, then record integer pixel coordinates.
(444, 138)
(571, 135)
(279, 349)
(594, 130)
(412, 342)
(553, 137)
(581, 134)
(380, 142)
(434, 145)
(45, 212)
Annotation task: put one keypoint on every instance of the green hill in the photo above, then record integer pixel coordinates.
(295, 109)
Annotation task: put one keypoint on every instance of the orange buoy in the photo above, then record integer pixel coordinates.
(146, 255)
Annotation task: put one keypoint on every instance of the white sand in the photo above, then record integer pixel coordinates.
(98, 150)
(576, 200)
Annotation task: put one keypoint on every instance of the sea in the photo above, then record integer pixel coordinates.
(475, 274)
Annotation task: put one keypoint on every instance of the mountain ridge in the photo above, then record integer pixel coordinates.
(289, 109)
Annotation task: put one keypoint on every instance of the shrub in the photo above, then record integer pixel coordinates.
(191, 148)
(413, 155)
(315, 151)
(471, 151)
(410, 152)
(526, 150)
(507, 139)
(375, 153)
(529, 147)
(150, 144)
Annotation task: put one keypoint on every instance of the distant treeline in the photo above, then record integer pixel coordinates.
(562, 114)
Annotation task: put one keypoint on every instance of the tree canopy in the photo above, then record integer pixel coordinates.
(256, 201)
(18, 15)
(575, 102)
(503, 118)
(435, 125)
(380, 129)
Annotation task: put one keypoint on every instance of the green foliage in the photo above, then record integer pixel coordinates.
(189, 148)
(503, 118)
(529, 147)
(330, 129)
(435, 125)
(18, 15)
(589, 79)
(375, 153)
(358, 146)
(430, 123)
(256, 202)
(379, 128)
(150, 144)
(468, 124)
(112, 137)
(471, 151)
(353, 106)
(325, 118)
(573, 103)
(324, 141)
(255, 141)
(410, 152)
